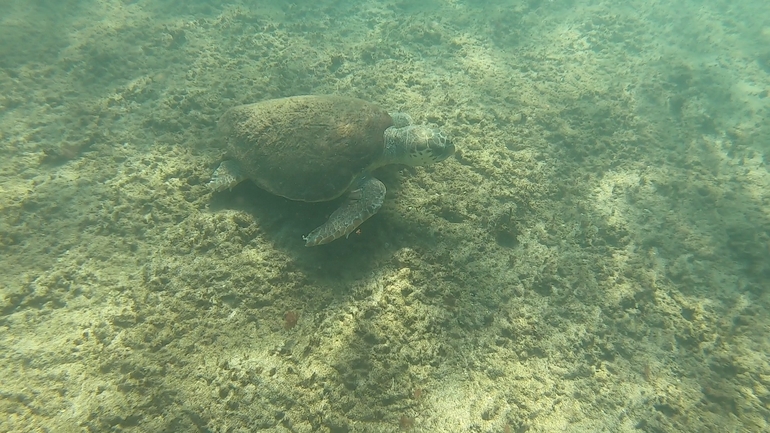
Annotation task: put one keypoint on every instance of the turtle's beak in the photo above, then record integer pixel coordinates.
(441, 146)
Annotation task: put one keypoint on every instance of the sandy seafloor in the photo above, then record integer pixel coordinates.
(596, 257)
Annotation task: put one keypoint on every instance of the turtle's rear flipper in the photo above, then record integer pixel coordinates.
(226, 176)
(363, 202)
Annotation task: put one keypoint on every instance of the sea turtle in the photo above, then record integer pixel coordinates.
(316, 148)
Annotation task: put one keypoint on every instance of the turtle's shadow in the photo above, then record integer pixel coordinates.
(283, 222)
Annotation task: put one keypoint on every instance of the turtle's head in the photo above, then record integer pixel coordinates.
(416, 145)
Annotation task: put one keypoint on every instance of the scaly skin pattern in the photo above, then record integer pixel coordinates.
(363, 202)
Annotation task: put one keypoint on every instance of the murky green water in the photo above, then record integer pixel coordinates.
(594, 257)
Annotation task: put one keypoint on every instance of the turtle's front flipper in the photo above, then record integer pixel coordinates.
(226, 176)
(363, 202)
